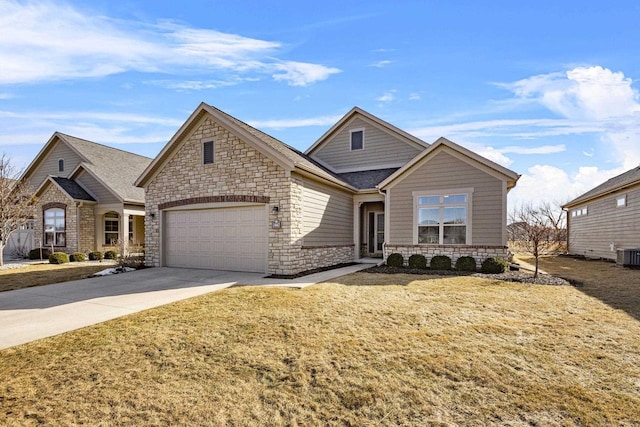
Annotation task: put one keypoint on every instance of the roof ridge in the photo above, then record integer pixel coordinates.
(102, 145)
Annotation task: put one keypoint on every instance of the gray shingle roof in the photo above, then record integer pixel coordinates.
(629, 177)
(118, 169)
(366, 179)
(73, 189)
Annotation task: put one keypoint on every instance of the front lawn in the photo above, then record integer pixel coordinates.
(46, 274)
(370, 349)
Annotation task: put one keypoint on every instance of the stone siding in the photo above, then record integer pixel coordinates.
(87, 229)
(53, 195)
(238, 170)
(479, 253)
(324, 256)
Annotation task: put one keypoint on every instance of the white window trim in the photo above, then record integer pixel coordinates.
(213, 146)
(104, 226)
(467, 191)
(622, 197)
(55, 233)
(60, 160)
(579, 212)
(351, 132)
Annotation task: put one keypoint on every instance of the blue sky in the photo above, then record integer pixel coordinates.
(548, 89)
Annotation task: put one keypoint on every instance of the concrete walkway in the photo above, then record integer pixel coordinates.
(43, 311)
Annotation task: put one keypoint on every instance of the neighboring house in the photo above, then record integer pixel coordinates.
(85, 196)
(606, 218)
(224, 195)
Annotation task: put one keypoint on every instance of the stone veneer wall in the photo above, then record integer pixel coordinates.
(480, 253)
(324, 256)
(238, 170)
(53, 195)
(87, 229)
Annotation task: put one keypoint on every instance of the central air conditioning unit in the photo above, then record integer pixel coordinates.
(628, 257)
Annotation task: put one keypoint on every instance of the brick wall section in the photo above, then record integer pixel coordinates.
(53, 195)
(238, 170)
(480, 253)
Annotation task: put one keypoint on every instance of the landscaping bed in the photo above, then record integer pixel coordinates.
(507, 276)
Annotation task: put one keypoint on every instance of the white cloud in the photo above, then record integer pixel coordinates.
(294, 123)
(543, 149)
(388, 96)
(36, 127)
(414, 96)
(591, 93)
(52, 41)
(380, 64)
(512, 128)
(302, 73)
(595, 95)
(545, 183)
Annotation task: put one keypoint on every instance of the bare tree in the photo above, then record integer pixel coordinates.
(540, 229)
(16, 201)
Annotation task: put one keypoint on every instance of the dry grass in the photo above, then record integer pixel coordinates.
(45, 274)
(616, 286)
(369, 350)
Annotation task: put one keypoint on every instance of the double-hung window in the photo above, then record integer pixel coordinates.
(443, 219)
(111, 228)
(54, 227)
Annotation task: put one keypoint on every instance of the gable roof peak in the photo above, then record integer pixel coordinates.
(355, 111)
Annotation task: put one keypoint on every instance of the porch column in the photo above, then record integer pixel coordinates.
(356, 230)
(125, 232)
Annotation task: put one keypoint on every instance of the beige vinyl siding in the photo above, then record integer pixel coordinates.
(327, 215)
(591, 235)
(443, 172)
(380, 148)
(96, 189)
(49, 165)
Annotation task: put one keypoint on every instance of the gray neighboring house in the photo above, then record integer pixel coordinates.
(606, 218)
(85, 195)
(224, 195)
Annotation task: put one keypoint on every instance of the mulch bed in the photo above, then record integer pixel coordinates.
(507, 276)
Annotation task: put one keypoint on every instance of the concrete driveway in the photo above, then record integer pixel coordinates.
(43, 311)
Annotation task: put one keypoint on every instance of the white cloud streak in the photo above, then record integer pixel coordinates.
(388, 96)
(43, 41)
(294, 123)
(380, 64)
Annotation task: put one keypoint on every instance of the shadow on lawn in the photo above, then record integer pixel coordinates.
(613, 285)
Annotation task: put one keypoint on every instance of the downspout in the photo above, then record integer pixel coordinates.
(386, 223)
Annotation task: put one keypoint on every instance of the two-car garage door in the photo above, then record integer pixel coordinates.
(221, 239)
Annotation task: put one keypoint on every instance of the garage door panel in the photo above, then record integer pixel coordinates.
(225, 239)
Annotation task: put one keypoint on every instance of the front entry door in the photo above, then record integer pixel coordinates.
(376, 232)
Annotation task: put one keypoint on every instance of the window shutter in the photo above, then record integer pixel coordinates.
(207, 152)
